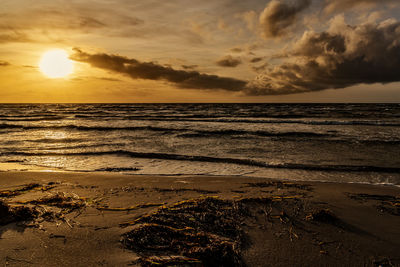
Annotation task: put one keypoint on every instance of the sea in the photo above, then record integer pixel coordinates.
(352, 143)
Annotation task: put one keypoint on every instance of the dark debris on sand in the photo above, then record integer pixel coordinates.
(323, 215)
(10, 214)
(26, 188)
(206, 231)
(210, 231)
(18, 191)
(387, 203)
(384, 263)
(32, 213)
(281, 185)
(60, 200)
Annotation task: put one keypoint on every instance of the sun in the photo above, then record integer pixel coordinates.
(56, 64)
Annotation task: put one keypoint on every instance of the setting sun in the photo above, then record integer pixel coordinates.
(56, 64)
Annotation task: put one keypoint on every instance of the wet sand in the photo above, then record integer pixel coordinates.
(281, 223)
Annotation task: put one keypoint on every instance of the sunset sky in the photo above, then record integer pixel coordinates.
(202, 50)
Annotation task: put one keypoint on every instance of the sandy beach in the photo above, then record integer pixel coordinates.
(80, 219)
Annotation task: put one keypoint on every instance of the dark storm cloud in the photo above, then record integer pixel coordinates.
(189, 67)
(340, 57)
(259, 69)
(152, 71)
(229, 61)
(108, 79)
(278, 16)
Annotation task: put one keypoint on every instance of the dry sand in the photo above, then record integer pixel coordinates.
(282, 223)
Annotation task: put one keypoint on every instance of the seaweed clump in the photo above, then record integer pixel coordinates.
(63, 201)
(16, 214)
(324, 216)
(18, 191)
(203, 232)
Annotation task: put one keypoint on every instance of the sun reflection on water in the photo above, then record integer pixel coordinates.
(58, 162)
(49, 134)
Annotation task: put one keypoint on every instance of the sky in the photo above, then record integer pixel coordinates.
(202, 50)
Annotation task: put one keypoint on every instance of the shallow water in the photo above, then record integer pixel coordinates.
(331, 142)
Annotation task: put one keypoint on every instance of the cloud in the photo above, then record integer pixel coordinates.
(250, 18)
(278, 16)
(13, 37)
(189, 67)
(340, 57)
(87, 78)
(108, 79)
(229, 61)
(50, 19)
(152, 71)
(4, 63)
(338, 5)
(87, 22)
(236, 50)
(222, 25)
(258, 69)
(256, 59)
(41, 22)
(201, 30)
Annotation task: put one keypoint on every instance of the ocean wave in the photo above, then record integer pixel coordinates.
(190, 134)
(109, 169)
(56, 141)
(237, 118)
(379, 142)
(201, 134)
(221, 119)
(29, 115)
(11, 126)
(83, 128)
(238, 161)
(313, 122)
(83, 146)
(329, 136)
(184, 116)
(19, 119)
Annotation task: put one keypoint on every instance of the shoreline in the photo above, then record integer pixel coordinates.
(12, 167)
(361, 229)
